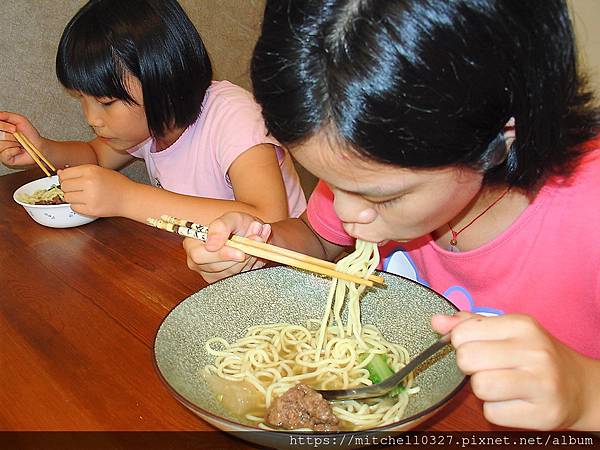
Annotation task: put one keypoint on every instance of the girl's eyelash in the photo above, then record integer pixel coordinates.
(387, 203)
(106, 101)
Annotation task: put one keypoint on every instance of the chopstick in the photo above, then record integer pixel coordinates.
(273, 248)
(35, 154)
(260, 250)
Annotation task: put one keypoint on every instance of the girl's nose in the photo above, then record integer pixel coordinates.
(353, 209)
(93, 114)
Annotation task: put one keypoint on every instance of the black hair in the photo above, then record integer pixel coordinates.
(428, 83)
(153, 40)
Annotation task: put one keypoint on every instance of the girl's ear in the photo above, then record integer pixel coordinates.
(509, 128)
(509, 134)
(495, 154)
(497, 151)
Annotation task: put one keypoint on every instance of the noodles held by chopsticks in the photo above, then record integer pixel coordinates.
(324, 354)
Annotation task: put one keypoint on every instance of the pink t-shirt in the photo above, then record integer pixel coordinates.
(546, 264)
(197, 163)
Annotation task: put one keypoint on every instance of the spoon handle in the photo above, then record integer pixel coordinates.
(393, 381)
(382, 388)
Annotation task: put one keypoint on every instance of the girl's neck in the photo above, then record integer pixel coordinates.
(170, 137)
(490, 225)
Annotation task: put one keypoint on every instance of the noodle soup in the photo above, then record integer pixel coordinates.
(325, 354)
(270, 359)
(229, 308)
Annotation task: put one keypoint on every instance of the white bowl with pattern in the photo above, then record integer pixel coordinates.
(54, 216)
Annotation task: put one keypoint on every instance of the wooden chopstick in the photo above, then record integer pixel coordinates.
(260, 250)
(35, 154)
(279, 250)
(298, 256)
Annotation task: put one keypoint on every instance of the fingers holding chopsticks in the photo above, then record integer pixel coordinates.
(263, 250)
(12, 122)
(235, 223)
(214, 260)
(12, 152)
(214, 266)
(9, 121)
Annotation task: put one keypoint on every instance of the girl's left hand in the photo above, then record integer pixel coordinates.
(94, 191)
(526, 378)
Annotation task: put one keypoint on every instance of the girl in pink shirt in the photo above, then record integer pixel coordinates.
(457, 135)
(143, 77)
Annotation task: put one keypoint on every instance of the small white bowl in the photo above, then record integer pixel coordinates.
(54, 216)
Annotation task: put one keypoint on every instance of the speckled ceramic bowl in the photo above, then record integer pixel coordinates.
(54, 216)
(402, 311)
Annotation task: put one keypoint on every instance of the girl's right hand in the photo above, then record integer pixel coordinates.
(214, 260)
(11, 152)
(525, 377)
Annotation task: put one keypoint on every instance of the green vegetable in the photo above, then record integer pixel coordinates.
(379, 370)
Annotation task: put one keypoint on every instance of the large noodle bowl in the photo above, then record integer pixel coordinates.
(250, 373)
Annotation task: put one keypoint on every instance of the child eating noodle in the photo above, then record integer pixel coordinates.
(144, 80)
(460, 137)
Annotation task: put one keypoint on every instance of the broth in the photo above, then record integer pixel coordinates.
(240, 398)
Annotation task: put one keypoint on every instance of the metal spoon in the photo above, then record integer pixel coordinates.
(380, 389)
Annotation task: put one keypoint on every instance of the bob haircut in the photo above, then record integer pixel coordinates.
(428, 83)
(154, 40)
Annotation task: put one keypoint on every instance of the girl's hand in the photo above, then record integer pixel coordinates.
(95, 191)
(214, 260)
(11, 152)
(526, 378)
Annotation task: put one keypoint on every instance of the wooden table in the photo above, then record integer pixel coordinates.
(79, 309)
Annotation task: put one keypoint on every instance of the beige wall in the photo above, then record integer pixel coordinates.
(586, 18)
(229, 28)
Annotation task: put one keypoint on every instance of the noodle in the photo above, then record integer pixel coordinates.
(324, 354)
(51, 196)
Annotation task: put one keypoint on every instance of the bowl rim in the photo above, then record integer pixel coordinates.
(29, 205)
(197, 409)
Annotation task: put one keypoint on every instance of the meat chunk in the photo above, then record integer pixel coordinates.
(302, 407)
(56, 200)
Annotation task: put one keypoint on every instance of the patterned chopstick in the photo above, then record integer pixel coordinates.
(200, 234)
(258, 249)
